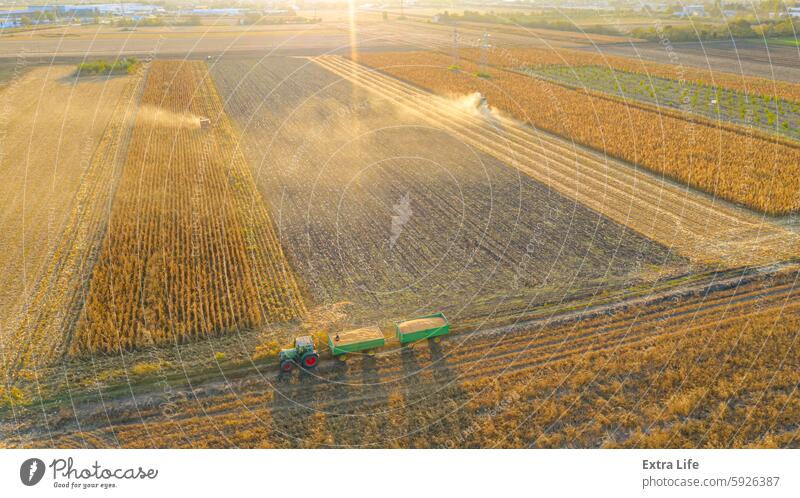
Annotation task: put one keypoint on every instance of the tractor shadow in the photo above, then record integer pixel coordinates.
(294, 407)
(359, 398)
(445, 399)
(412, 387)
(442, 371)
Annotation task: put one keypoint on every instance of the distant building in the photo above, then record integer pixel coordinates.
(654, 7)
(102, 9)
(11, 18)
(217, 12)
(42, 14)
(692, 11)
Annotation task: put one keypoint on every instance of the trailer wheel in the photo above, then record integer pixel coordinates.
(310, 360)
(287, 365)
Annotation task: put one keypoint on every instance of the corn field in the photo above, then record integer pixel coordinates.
(190, 249)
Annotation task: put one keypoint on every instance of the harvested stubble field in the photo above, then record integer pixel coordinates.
(399, 218)
(62, 141)
(190, 250)
(738, 165)
(714, 369)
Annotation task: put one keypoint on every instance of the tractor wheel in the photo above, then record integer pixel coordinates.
(287, 365)
(310, 360)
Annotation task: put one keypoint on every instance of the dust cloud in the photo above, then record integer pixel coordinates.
(157, 116)
(471, 103)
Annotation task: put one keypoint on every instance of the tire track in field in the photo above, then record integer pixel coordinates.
(704, 229)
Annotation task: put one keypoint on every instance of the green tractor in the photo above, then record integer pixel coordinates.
(303, 353)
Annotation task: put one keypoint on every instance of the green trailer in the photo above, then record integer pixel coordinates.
(353, 341)
(424, 327)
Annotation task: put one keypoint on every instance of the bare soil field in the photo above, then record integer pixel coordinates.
(742, 57)
(60, 141)
(424, 35)
(398, 217)
(669, 373)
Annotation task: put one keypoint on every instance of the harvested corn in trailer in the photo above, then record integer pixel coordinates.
(424, 327)
(352, 341)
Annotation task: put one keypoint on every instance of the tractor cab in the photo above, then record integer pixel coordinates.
(303, 353)
(304, 343)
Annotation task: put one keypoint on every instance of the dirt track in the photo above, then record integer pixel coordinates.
(696, 226)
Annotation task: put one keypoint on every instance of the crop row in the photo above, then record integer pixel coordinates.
(690, 224)
(190, 249)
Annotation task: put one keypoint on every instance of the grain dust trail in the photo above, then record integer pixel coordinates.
(159, 116)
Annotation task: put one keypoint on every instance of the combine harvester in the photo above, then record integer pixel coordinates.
(364, 340)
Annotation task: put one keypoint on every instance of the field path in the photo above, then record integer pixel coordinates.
(704, 229)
